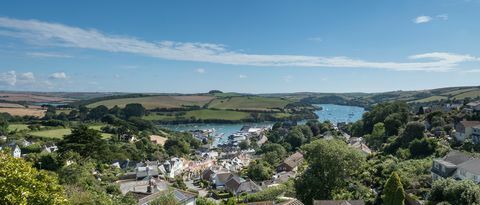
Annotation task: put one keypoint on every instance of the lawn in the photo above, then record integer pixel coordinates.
(249, 103)
(174, 101)
(13, 127)
(60, 132)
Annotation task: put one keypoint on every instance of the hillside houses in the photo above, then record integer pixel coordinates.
(467, 130)
(291, 163)
(456, 165)
(14, 150)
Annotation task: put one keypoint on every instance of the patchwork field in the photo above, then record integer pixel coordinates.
(10, 105)
(18, 127)
(249, 103)
(24, 111)
(29, 97)
(158, 101)
(470, 94)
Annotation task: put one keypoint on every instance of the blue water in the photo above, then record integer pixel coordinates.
(330, 112)
(339, 113)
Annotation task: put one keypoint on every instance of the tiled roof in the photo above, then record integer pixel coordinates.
(294, 160)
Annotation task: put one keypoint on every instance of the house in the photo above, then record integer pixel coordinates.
(50, 149)
(14, 150)
(182, 197)
(457, 165)
(475, 106)
(291, 163)
(237, 186)
(146, 169)
(338, 202)
(220, 179)
(465, 130)
(172, 167)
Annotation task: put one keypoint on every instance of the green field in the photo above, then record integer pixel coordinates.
(18, 127)
(60, 132)
(249, 103)
(431, 99)
(470, 94)
(175, 101)
(217, 114)
(204, 114)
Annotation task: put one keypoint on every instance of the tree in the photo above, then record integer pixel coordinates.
(393, 122)
(413, 130)
(205, 201)
(23, 184)
(259, 171)
(377, 138)
(3, 126)
(176, 147)
(455, 192)
(98, 112)
(86, 142)
(331, 165)
(244, 145)
(273, 153)
(420, 148)
(134, 110)
(393, 193)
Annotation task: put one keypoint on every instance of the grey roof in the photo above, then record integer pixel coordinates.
(294, 160)
(338, 202)
(456, 157)
(472, 166)
(183, 196)
(224, 177)
(248, 187)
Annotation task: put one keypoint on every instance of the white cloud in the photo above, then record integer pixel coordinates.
(242, 76)
(54, 34)
(28, 76)
(422, 19)
(200, 70)
(48, 55)
(58, 76)
(443, 16)
(8, 78)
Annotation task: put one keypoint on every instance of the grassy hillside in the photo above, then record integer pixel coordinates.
(249, 103)
(152, 102)
(60, 132)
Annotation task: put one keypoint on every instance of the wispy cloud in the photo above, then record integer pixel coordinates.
(242, 76)
(422, 19)
(288, 78)
(442, 17)
(58, 76)
(8, 78)
(315, 39)
(48, 55)
(54, 34)
(200, 70)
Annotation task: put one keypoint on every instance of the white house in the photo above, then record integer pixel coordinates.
(467, 130)
(172, 167)
(14, 150)
(456, 165)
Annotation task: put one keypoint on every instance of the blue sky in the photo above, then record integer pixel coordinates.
(242, 46)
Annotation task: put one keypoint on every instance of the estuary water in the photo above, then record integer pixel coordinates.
(330, 112)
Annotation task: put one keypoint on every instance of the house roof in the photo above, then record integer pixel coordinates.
(466, 123)
(233, 183)
(224, 177)
(471, 166)
(207, 174)
(294, 160)
(456, 157)
(248, 186)
(338, 202)
(292, 202)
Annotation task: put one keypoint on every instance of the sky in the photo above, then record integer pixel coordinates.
(250, 46)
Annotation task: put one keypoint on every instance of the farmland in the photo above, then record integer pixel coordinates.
(23, 111)
(249, 103)
(58, 133)
(152, 102)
